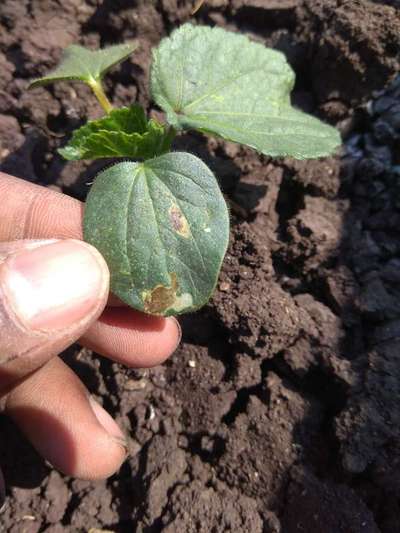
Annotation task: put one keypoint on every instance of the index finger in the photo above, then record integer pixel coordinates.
(30, 211)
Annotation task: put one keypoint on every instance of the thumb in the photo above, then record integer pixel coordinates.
(50, 293)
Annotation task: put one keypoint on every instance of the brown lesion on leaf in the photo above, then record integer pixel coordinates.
(178, 221)
(161, 299)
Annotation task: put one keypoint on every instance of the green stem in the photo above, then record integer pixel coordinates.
(98, 90)
(171, 134)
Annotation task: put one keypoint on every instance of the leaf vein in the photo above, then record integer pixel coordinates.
(225, 84)
(130, 196)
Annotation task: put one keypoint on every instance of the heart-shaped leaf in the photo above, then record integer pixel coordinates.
(163, 228)
(124, 132)
(223, 83)
(89, 66)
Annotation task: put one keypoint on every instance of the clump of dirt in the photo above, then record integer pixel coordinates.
(360, 38)
(279, 412)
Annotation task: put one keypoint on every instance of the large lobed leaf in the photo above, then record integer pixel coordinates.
(163, 228)
(124, 132)
(223, 83)
(81, 64)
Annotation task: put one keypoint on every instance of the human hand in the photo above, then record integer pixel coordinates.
(53, 292)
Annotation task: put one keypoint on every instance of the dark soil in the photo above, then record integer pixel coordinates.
(281, 410)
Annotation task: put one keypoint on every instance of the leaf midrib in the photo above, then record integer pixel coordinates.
(215, 90)
(130, 196)
(146, 179)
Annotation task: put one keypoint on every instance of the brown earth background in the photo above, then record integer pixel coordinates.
(280, 412)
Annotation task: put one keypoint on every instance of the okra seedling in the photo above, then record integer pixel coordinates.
(159, 218)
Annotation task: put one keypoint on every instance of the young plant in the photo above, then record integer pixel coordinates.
(161, 221)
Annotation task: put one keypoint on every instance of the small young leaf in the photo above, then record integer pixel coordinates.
(163, 228)
(223, 83)
(89, 66)
(124, 132)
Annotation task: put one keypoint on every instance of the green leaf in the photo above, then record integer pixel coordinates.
(89, 66)
(223, 83)
(163, 228)
(124, 132)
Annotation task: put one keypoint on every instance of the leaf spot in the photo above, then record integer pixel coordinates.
(207, 230)
(161, 299)
(178, 221)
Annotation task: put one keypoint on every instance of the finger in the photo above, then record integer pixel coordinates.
(132, 338)
(29, 211)
(70, 430)
(46, 213)
(50, 293)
